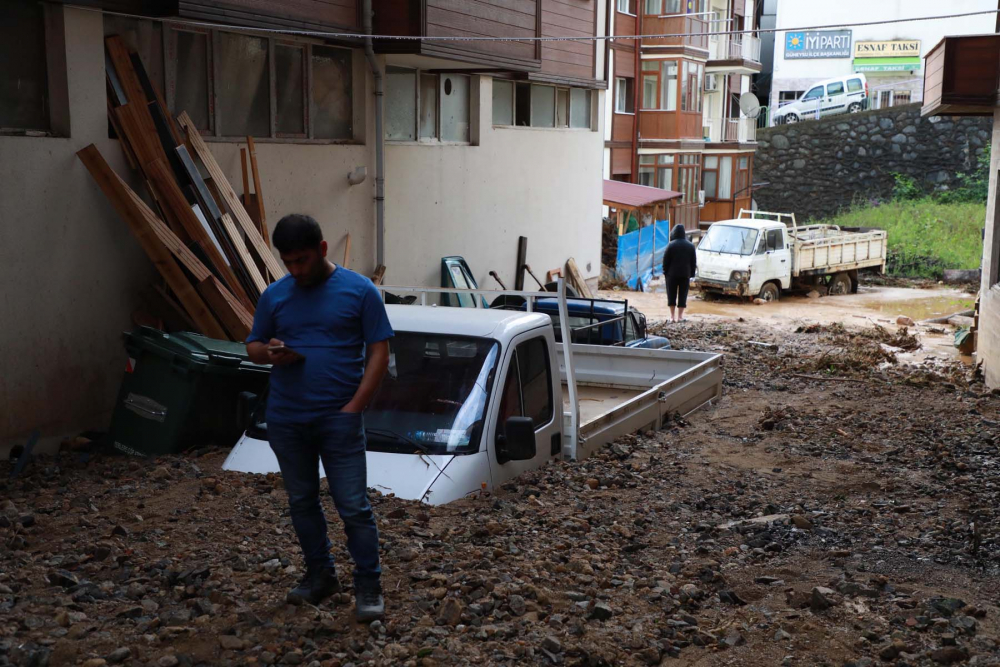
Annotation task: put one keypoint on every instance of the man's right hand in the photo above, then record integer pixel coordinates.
(281, 356)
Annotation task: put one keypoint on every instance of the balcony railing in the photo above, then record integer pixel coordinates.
(731, 47)
(736, 130)
(735, 47)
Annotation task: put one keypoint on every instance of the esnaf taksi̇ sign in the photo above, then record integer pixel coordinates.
(900, 48)
(818, 44)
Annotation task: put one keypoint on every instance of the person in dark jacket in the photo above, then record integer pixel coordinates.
(679, 264)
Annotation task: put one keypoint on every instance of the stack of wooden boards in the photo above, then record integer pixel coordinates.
(213, 256)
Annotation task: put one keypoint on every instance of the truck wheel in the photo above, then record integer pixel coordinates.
(854, 108)
(840, 284)
(769, 292)
(791, 119)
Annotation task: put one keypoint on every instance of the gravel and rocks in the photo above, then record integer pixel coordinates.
(843, 516)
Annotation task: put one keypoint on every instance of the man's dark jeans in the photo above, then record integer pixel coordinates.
(339, 440)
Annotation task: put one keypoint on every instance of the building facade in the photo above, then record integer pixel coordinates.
(484, 142)
(674, 107)
(889, 55)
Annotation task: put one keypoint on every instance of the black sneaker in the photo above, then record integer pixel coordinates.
(315, 586)
(369, 601)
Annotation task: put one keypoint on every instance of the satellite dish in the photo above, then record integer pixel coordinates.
(749, 105)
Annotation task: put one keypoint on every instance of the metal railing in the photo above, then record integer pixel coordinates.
(734, 47)
(742, 130)
(731, 47)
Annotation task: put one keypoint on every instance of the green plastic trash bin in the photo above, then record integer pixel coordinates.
(181, 391)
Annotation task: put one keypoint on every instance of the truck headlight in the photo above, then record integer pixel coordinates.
(739, 276)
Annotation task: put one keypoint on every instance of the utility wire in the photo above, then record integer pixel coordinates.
(590, 38)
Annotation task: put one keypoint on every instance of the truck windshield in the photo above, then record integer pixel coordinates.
(434, 396)
(730, 240)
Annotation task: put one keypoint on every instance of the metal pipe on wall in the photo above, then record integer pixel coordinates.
(366, 22)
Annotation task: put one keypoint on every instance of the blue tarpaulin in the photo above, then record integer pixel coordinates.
(640, 254)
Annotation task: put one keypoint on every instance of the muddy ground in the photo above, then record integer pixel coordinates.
(833, 508)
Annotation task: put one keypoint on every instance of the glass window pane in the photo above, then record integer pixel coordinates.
(543, 106)
(562, 108)
(666, 178)
(191, 82)
(649, 91)
(666, 159)
(332, 93)
(428, 106)
(289, 85)
(400, 104)
(744, 161)
(646, 176)
(24, 92)
(580, 108)
(536, 380)
(522, 105)
(711, 162)
(650, 65)
(454, 107)
(670, 87)
(726, 177)
(684, 87)
(647, 159)
(653, 6)
(503, 102)
(709, 183)
(243, 86)
(671, 6)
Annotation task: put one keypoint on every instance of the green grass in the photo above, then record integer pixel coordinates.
(925, 235)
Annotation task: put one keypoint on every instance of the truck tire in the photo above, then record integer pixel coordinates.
(840, 284)
(769, 292)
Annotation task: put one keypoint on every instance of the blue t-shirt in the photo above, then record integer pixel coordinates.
(330, 324)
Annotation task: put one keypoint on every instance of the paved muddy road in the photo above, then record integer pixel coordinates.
(871, 305)
(834, 508)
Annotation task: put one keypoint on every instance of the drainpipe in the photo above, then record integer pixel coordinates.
(366, 22)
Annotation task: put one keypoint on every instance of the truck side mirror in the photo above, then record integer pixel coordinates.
(518, 441)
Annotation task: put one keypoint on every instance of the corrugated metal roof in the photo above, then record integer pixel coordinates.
(629, 194)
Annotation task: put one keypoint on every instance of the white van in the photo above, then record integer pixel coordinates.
(845, 94)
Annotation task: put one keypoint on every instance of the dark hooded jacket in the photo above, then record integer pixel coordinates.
(680, 259)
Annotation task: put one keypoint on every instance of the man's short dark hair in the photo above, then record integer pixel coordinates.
(296, 232)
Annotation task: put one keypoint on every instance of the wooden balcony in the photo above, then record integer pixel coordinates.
(687, 26)
(670, 125)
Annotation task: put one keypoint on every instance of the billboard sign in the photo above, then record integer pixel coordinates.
(818, 44)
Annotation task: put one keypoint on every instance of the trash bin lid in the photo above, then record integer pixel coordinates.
(209, 354)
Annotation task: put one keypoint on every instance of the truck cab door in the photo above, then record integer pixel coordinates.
(781, 256)
(527, 387)
(769, 264)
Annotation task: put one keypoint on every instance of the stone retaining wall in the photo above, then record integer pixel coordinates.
(815, 168)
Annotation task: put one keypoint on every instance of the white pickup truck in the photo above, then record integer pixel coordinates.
(474, 397)
(760, 254)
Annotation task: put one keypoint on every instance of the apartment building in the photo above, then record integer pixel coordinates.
(484, 142)
(676, 122)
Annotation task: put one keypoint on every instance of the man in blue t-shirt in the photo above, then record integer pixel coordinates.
(314, 326)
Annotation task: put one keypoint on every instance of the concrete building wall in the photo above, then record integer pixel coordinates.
(476, 201)
(69, 267)
(989, 293)
(799, 74)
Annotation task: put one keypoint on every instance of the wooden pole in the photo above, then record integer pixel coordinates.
(347, 252)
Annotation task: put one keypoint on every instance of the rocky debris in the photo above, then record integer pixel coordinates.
(829, 527)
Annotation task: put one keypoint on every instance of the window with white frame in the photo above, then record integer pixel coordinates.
(626, 6)
(427, 107)
(624, 95)
(536, 105)
(235, 84)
